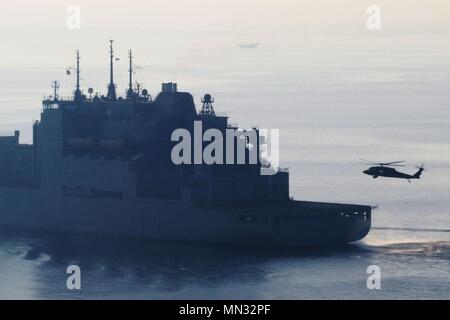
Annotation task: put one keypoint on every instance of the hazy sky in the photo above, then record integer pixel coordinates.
(224, 13)
(316, 54)
(35, 33)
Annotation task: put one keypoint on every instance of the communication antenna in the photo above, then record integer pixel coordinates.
(207, 108)
(130, 80)
(77, 93)
(111, 87)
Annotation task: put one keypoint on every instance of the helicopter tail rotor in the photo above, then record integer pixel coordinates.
(422, 166)
(419, 172)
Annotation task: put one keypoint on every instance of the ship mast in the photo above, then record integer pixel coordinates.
(77, 93)
(55, 86)
(130, 82)
(111, 87)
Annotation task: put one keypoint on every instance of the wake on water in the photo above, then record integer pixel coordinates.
(412, 229)
(404, 246)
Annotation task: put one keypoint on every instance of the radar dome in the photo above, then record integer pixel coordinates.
(207, 98)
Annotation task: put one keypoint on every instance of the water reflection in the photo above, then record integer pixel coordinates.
(34, 266)
(121, 264)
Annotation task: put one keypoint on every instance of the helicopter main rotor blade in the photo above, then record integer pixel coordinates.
(387, 164)
(369, 161)
(390, 163)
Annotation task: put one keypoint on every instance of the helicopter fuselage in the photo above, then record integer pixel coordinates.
(382, 171)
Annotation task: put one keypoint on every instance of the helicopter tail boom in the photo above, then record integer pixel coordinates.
(418, 173)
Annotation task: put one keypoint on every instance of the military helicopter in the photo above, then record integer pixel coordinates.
(384, 169)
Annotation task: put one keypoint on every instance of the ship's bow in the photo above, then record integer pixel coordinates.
(303, 223)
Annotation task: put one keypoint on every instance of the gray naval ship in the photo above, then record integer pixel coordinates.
(102, 165)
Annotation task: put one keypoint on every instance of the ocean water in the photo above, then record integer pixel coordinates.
(333, 105)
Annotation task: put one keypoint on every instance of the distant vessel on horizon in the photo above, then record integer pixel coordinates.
(252, 45)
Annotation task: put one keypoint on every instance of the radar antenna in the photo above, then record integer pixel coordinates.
(207, 108)
(111, 87)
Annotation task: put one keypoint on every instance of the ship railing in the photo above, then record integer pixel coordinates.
(6, 133)
(216, 114)
(235, 125)
(50, 103)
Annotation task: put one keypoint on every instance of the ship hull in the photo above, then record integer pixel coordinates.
(292, 223)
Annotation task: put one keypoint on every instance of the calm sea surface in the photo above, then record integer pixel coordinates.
(332, 107)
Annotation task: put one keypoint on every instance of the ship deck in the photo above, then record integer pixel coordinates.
(296, 207)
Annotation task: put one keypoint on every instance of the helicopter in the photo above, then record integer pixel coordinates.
(385, 169)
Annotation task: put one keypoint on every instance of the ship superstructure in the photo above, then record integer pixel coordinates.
(104, 165)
